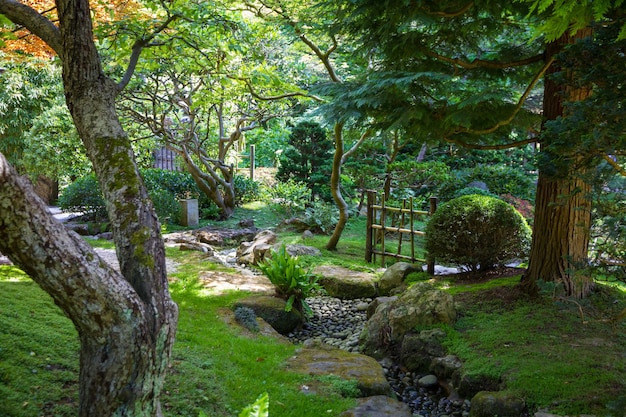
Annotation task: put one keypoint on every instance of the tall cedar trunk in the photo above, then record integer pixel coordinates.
(563, 206)
(126, 322)
(336, 191)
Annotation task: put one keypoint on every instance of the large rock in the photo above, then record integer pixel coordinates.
(326, 360)
(417, 351)
(499, 403)
(344, 283)
(272, 310)
(420, 305)
(394, 276)
(379, 406)
(254, 252)
(445, 367)
(220, 236)
(468, 385)
(300, 250)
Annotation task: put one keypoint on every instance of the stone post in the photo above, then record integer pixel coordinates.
(189, 216)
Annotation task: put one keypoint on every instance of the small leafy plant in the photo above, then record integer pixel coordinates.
(292, 282)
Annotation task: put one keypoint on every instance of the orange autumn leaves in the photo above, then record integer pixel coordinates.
(22, 42)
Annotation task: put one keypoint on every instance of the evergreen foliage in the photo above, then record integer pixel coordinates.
(308, 158)
(477, 232)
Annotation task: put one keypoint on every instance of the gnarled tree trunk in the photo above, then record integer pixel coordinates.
(335, 183)
(126, 321)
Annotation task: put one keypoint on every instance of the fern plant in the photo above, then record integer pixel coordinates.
(292, 282)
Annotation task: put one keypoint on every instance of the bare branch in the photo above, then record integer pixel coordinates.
(23, 15)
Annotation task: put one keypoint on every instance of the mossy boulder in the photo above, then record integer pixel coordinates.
(394, 276)
(325, 360)
(272, 310)
(420, 305)
(418, 350)
(344, 283)
(498, 403)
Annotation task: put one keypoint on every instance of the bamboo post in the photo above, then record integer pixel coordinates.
(383, 212)
(252, 165)
(401, 226)
(412, 220)
(369, 238)
(430, 266)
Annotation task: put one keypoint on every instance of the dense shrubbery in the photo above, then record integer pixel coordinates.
(288, 197)
(477, 232)
(246, 190)
(165, 188)
(84, 196)
(499, 180)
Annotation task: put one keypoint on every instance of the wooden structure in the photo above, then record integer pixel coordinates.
(398, 223)
(165, 158)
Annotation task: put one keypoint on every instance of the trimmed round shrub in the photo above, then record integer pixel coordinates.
(477, 232)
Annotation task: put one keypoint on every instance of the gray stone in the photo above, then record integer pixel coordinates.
(189, 216)
(418, 350)
(468, 385)
(300, 250)
(378, 406)
(196, 246)
(428, 381)
(210, 237)
(394, 276)
(446, 366)
(272, 310)
(420, 305)
(344, 283)
(254, 252)
(326, 360)
(499, 403)
(371, 309)
(478, 184)
(307, 234)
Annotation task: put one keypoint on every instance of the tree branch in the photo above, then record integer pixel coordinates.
(490, 147)
(615, 165)
(518, 107)
(453, 14)
(353, 149)
(138, 46)
(481, 63)
(276, 97)
(23, 15)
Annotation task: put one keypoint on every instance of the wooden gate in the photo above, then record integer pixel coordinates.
(387, 224)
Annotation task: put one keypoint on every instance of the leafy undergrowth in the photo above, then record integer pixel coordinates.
(562, 355)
